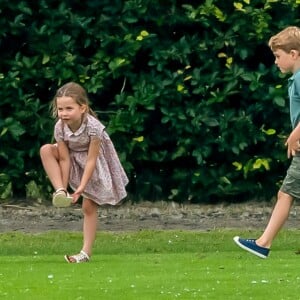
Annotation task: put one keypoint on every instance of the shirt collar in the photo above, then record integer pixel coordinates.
(294, 75)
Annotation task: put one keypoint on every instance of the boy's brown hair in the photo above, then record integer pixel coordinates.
(288, 39)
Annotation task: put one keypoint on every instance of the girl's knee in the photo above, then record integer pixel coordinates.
(47, 150)
(89, 207)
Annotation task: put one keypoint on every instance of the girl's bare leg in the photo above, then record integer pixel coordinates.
(50, 161)
(279, 216)
(90, 221)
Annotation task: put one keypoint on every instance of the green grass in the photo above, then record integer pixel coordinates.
(148, 265)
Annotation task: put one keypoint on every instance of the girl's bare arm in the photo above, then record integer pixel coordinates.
(93, 154)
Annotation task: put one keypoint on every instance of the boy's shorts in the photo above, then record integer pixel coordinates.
(291, 182)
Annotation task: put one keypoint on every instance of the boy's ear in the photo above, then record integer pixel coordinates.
(295, 53)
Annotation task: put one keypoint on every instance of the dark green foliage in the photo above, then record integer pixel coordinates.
(187, 89)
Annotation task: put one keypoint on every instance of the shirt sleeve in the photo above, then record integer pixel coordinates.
(297, 86)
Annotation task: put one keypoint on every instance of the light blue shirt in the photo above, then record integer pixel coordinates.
(294, 96)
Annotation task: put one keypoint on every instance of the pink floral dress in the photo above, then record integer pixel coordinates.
(107, 184)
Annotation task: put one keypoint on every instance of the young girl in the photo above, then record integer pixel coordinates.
(83, 158)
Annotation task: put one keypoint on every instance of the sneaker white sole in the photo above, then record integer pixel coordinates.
(236, 240)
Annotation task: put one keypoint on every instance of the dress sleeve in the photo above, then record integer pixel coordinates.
(95, 129)
(58, 132)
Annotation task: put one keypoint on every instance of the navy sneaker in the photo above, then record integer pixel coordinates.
(251, 246)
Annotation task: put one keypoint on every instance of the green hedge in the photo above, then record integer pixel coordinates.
(189, 92)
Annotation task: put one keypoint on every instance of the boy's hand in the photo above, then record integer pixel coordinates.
(292, 147)
(292, 142)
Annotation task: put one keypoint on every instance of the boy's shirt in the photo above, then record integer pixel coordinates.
(294, 96)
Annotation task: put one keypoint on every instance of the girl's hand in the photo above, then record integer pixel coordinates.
(76, 195)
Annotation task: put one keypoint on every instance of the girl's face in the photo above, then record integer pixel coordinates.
(286, 61)
(70, 112)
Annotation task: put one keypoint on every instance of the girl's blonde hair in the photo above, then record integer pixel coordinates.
(75, 91)
(286, 40)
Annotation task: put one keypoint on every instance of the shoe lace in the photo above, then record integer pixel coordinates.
(251, 240)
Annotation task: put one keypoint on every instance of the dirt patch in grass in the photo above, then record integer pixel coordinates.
(33, 217)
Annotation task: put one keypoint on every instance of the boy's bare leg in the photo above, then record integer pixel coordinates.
(279, 215)
(49, 157)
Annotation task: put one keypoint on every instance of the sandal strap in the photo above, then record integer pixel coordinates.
(78, 258)
(61, 190)
(85, 254)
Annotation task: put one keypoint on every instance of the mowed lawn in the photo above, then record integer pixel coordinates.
(148, 265)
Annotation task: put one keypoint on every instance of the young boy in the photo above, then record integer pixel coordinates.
(286, 48)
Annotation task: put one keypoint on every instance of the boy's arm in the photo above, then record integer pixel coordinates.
(292, 142)
(93, 154)
(64, 161)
